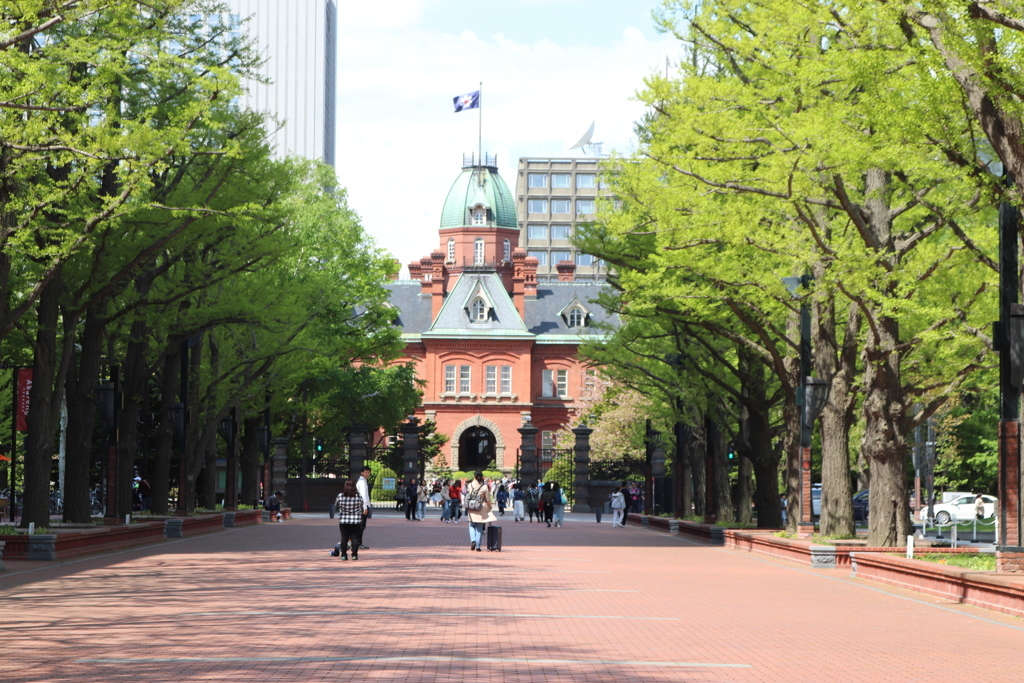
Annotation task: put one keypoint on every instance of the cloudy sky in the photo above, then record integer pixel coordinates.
(548, 67)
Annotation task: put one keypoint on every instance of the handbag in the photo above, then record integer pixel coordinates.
(565, 501)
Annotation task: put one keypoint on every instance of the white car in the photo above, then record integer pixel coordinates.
(960, 509)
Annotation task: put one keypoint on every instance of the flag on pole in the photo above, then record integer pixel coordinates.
(470, 100)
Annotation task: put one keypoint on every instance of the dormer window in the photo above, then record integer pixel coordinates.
(478, 312)
(478, 251)
(479, 217)
(451, 251)
(576, 318)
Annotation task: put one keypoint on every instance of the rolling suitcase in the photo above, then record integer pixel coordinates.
(494, 538)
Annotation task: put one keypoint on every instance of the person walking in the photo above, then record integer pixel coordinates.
(455, 491)
(410, 500)
(363, 487)
(478, 506)
(634, 499)
(547, 499)
(618, 507)
(559, 501)
(533, 502)
(400, 495)
(518, 505)
(422, 495)
(352, 512)
(446, 500)
(501, 498)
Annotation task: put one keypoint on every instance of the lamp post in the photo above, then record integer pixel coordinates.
(815, 398)
(411, 450)
(228, 429)
(106, 397)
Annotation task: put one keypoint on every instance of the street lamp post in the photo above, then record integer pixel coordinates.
(815, 398)
(683, 434)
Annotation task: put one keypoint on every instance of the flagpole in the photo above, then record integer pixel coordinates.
(480, 129)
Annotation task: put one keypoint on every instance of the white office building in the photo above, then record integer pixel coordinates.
(298, 40)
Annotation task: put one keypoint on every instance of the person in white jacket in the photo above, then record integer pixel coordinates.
(618, 507)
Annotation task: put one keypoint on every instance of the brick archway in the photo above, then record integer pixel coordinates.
(479, 421)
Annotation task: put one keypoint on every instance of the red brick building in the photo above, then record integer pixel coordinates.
(495, 347)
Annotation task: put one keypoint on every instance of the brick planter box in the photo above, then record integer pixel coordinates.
(268, 516)
(242, 518)
(179, 527)
(59, 546)
(809, 552)
(990, 590)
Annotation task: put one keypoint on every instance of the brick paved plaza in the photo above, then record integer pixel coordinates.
(583, 603)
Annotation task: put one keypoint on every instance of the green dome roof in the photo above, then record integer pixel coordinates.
(467, 191)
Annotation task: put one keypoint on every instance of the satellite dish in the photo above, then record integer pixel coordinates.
(585, 140)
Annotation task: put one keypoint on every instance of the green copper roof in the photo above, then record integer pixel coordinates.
(467, 191)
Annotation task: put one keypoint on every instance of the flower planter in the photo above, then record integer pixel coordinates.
(66, 544)
(998, 592)
(237, 518)
(179, 527)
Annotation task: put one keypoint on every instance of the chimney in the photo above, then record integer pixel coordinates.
(519, 281)
(415, 270)
(436, 283)
(530, 278)
(566, 271)
(426, 269)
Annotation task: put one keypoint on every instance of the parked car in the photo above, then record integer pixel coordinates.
(960, 509)
(860, 506)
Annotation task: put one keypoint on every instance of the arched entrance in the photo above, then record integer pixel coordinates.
(461, 457)
(476, 448)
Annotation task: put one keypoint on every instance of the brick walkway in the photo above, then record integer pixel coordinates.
(583, 603)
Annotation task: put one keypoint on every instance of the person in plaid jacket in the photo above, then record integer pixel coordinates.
(351, 508)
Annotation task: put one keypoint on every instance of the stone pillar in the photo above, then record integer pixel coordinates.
(528, 454)
(581, 473)
(279, 467)
(356, 450)
(411, 450)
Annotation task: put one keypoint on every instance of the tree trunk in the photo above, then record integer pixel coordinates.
(695, 449)
(884, 443)
(744, 491)
(838, 365)
(42, 424)
(80, 383)
(726, 511)
(133, 387)
(208, 497)
(754, 440)
(249, 458)
(791, 440)
(687, 465)
(164, 433)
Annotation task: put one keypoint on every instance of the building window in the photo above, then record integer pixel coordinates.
(547, 439)
(536, 206)
(463, 379)
(537, 232)
(586, 181)
(559, 232)
(558, 256)
(584, 260)
(575, 318)
(537, 180)
(541, 256)
(554, 383)
(506, 250)
(449, 379)
(590, 381)
(584, 206)
(506, 380)
(560, 206)
(480, 217)
(478, 251)
(451, 251)
(491, 379)
(479, 311)
(560, 180)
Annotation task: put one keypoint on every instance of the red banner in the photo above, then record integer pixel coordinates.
(24, 388)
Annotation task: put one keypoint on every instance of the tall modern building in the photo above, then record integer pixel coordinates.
(553, 196)
(298, 41)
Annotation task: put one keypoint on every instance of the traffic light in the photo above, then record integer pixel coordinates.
(733, 460)
(319, 445)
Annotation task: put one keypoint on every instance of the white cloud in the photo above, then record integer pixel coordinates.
(400, 144)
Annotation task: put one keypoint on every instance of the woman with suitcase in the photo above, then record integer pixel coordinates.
(477, 501)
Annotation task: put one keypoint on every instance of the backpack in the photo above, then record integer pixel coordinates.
(518, 494)
(473, 500)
